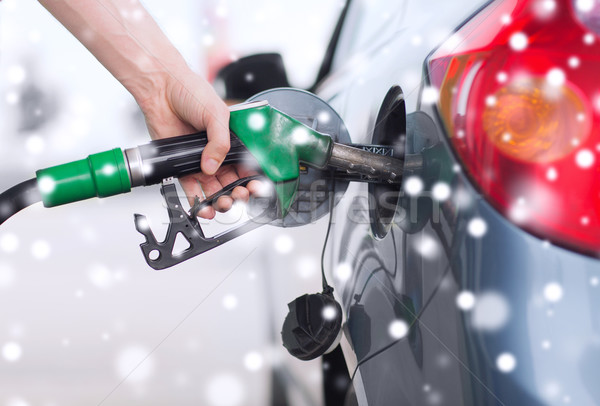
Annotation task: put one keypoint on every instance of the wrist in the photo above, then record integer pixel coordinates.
(151, 77)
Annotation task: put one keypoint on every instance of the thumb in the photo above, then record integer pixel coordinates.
(204, 110)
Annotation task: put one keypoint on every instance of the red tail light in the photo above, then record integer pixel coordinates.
(519, 95)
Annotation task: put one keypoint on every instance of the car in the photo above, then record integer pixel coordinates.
(477, 281)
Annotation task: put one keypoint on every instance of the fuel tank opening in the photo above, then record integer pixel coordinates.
(390, 130)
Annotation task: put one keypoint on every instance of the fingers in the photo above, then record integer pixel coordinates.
(203, 185)
(255, 186)
(192, 188)
(196, 103)
(217, 129)
(229, 175)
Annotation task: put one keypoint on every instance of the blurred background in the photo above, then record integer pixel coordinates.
(84, 320)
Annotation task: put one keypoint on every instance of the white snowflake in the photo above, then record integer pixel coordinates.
(398, 329)
(329, 312)
(465, 300)
(551, 174)
(253, 361)
(225, 389)
(556, 77)
(40, 249)
(100, 276)
(491, 101)
(506, 362)
(135, 363)
(11, 351)
(35, 144)
(574, 62)
(284, 244)
(441, 191)
(230, 301)
(491, 312)
(427, 246)
(343, 272)
(430, 95)
(518, 41)
(585, 158)
(413, 186)
(9, 242)
(307, 266)
(16, 74)
(477, 227)
(257, 121)
(553, 292)
(584, 6)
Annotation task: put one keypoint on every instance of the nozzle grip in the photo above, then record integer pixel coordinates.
(175, 157)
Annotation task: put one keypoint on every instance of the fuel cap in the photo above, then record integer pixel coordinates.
(313, 325)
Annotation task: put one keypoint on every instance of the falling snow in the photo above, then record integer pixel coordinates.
(11, 351)
(329, 312)
(553, 292)
(398, 329)
(556, 77)
(551, 174)
(35, 144)
(100, 276)
(465, 300)
(343, 272)
(427, 246)
(16, 74)
(136, 363)
(501, 77)
(253, 361)
(585, 158)
(491, 311)
(430, 95)
(574, 62)
(307, 266)
(519, 211)
(588, 38)
(225, 389)
(9, 242)
(284, 244)
(46, 184)
(518, 41)
(257, 121)
(40, 249)
(505, 19)
(413, 186)
(584, 6)
(477, 227)
(230, 301)
(491, 101)
(441, 191)
(506, 362)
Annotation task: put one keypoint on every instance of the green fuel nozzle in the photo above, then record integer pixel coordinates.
(304, 164)
(278, 142)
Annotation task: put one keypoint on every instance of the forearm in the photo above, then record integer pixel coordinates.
(125, 39)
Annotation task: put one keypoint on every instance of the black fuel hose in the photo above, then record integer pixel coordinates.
(18, 197)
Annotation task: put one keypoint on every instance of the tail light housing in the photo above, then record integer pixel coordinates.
(519, 96)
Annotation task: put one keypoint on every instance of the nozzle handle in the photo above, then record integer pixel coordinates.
(179, 156)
